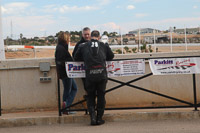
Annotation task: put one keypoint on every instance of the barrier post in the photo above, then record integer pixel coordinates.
(59, 110)
(195, 94)
(0, 100)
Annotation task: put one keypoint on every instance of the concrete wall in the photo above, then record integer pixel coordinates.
(21, 87)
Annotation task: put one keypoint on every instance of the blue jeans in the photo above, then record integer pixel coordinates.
(70, 90)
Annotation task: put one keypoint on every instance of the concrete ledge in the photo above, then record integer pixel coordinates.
(49, 118)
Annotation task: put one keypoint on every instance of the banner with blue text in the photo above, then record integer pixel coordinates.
(114, 68)
(169, 66)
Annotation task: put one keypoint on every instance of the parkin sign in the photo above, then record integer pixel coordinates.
(169, 66)
(114, 68)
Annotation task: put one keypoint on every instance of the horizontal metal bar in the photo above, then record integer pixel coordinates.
(147, 58)
(161, 107)
(18, 68)
(130, 108)
(73, 110)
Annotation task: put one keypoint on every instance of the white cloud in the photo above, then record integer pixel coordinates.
(140, 15)
(3, 9)
(110, 26)
(130, 7)
(66, 8)
(103, 2)
(195, 7)
(15, 7)
(28, 25)
(137, 1)
(118, 6)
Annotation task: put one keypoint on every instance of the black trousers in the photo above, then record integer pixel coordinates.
(84, 84)
(96, 88)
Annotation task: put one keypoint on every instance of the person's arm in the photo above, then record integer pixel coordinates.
(62, 55)
(59, 56)
(78, 54)
(109, 54)
(75, 50)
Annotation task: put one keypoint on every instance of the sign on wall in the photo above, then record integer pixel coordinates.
(169, 66)
(114, 68)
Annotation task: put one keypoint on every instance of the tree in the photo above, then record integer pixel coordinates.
(143, 48)
(150, 49)
(119, 51)
(134, 50)
(126, 49)
(112, 34)
(21, 36)
(125, 40)
(105, 33)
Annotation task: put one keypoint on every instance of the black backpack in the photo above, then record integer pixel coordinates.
(95, 61)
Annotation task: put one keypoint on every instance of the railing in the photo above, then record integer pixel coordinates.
(195, 105)
(188, 104)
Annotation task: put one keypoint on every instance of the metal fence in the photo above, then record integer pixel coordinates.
(194, 105)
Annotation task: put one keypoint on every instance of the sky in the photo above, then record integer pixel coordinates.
(47, 17)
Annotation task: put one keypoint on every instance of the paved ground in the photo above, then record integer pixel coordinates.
(161, 126)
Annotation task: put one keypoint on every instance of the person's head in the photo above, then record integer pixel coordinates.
(63, 38)
(86, 34)
(95, 35)
(104, 39)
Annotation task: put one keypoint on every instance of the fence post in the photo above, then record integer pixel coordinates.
(0, 100)
(59, 110)
(195, 94)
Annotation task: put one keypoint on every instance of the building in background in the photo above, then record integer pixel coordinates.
(143, 31)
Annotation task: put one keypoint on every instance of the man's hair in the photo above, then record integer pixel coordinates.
(95, 33)
(86, 28)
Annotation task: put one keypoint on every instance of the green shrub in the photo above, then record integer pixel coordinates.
(119, 51)
(134, 50)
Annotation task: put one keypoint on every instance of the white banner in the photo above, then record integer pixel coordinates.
(114, 68)
(169, 66)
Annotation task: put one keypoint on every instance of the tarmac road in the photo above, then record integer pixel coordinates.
(160, 126)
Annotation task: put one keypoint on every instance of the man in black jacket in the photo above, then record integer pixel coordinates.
(86, 36)
(94, 54)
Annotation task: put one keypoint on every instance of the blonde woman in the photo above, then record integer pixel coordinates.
(61, 56)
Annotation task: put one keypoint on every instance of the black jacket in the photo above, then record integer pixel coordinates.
(94, 57)
(77, 45)
(61, 56)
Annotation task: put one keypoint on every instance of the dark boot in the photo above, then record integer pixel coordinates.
(100, 113)
(92, 116)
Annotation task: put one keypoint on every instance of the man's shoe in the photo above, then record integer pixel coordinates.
(100, 122)
(93, 123)
(65, 113)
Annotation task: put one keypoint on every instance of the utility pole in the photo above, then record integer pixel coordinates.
(154, 39)
(139, 40)
(2, 51)
(185, 38)
(11, 30)
(171, 37)
(121, 41)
